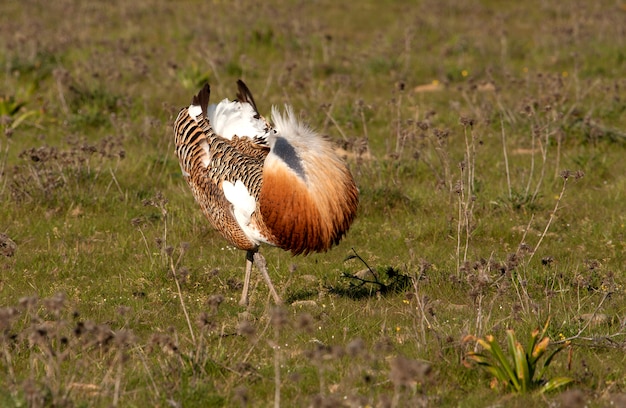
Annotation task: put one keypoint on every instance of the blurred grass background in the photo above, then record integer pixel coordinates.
(457, 120)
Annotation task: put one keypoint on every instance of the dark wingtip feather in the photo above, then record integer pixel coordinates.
(244, 95)
(202, 99)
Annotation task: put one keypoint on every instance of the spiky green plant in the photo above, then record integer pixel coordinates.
(521, 369)
(13, 113)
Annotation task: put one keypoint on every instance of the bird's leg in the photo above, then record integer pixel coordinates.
(246, 280)
(261, 265)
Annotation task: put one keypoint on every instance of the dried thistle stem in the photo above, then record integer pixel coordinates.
(466, 192)
(506, 159)
(276, 371)
(552, 215)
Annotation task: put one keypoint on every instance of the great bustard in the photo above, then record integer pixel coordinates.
(280, 184)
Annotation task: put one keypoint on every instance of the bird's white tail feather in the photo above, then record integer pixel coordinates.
(233, 118)
(194, 111)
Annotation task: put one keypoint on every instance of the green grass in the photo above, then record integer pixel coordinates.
(461, 193)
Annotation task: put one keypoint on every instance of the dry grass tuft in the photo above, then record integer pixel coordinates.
(458, 122)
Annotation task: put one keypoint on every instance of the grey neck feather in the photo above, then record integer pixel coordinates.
(288, 154)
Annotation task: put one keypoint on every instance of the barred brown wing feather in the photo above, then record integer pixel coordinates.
(209, 160)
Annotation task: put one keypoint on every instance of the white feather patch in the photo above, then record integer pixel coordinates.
(194, 111)
(243, 203)
(244, 206)
(232, 118)
(185, 174)
(206, 158)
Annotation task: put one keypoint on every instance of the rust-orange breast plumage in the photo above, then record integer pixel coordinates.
(280, 184)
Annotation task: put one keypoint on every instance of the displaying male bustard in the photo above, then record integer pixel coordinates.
(257, 182)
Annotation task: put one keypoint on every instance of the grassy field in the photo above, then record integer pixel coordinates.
(488, 143)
